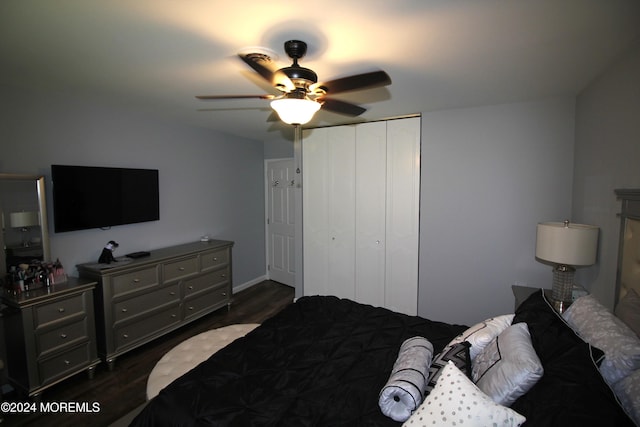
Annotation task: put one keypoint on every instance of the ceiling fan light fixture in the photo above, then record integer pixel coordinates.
(295, 111)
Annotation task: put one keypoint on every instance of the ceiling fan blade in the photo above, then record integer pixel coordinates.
(263, 65)
(341, 107)
(355, 82)
(205, 97)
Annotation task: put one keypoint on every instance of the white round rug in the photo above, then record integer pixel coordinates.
(190, 353)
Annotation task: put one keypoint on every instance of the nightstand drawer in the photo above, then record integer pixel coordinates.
(59, 310)
(136, 280)
(65, 363)
(180, 269)
(62, 336)
(140, 304)
(214, 259)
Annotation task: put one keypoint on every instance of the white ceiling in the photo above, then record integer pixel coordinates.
(155, 55)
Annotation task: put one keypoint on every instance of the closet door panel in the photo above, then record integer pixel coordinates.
(371, 163)
(402, 215)
(315, 205)
(329, 211)
(341, 146)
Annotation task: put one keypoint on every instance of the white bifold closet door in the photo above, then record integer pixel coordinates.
(360, 212)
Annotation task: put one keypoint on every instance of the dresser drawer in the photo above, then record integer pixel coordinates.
(214, 259)
(142, 303)
(64, 364)
(62, 336)
(205, 282)
(180, 269)
(137, 331)
(204, 302)
(135, 280)
(59, 310)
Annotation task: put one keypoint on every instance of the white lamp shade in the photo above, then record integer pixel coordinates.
(24, 219)
(295, 111)
(567, 244)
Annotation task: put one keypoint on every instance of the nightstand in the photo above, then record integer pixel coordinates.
(50, 334)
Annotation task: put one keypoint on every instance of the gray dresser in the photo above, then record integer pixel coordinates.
(139, 300)
(50, 333)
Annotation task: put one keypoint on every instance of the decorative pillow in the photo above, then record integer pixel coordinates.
(572, 391)
(628, 310)
(481, 334)
(458, 354)
(596, 325)
(508, 367)
(404, 390)
(456, 401)
(628, 391)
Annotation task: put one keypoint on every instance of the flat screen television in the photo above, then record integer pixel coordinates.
(87, 197)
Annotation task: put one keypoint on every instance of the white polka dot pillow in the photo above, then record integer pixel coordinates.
(456, 401)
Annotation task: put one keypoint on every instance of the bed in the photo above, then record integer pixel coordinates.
(325, 361)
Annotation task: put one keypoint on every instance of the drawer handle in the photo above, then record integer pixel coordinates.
(190, 288)
(125, 336)
(224, 294)
(136, 280)
(191, 308)
(173, 316)
(223, 275)
(61, 310)
(172, 293)
(66, 362)
(124, 310)
(63, 335)
(181, 268)
(215, 258)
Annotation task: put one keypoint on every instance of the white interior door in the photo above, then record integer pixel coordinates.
(281, 221)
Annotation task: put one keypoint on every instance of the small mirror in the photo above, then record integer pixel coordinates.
(24, 235)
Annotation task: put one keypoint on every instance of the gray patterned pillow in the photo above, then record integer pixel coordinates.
(600, 328)
(628, 392)
(458, 354)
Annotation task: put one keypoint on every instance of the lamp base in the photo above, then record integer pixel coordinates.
(562, 291)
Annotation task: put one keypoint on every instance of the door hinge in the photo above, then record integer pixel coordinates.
(268, 267)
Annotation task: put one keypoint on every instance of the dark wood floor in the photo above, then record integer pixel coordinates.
(124, 389)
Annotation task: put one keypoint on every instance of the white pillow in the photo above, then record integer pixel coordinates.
(628, 392)
(481, 334)
(456, 401)
(596, 325)
(508, 367)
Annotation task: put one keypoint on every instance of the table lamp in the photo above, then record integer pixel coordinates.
(22, 221)
(566, 245)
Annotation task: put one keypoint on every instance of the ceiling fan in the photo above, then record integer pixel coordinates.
(301, 95)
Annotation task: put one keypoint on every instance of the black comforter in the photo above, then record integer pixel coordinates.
(321, 361)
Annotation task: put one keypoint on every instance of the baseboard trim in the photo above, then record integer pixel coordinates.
(250, 283)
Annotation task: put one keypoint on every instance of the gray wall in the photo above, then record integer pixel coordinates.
(210, 183)
(607, 157)
(489, 175)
